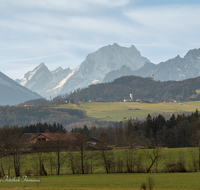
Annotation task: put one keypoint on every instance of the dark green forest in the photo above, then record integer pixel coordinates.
(22, 116)
(178, 131)
(141, 88)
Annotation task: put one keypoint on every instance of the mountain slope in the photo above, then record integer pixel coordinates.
(174, 69)
(91, 71)
(141, 88)
(99, 63)
(45, 82)
(13, 93)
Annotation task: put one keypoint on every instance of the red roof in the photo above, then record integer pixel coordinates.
(28, 137)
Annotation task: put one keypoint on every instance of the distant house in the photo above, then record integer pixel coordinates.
(42, 137)
(28, 105)
(147, 100)
(68, 141)
(67, 100)
(96, 144)
(152, 77)
(129, 99)
(49, 141)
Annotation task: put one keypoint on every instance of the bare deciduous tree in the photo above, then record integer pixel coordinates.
(12, 146)
(59, 154)
(152, 156)
(130, 159)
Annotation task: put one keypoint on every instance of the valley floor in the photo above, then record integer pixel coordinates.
(117, 111)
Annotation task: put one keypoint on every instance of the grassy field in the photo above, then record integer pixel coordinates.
(117, 111)
(30, 161)
(124, 181)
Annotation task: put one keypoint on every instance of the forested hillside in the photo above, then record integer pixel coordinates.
(177, 131)
(22, 116)
(141, 88)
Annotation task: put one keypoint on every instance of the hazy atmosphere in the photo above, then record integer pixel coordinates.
(63, 32)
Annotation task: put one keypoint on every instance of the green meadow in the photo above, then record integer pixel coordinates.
(100, 180)
(126, 181)
(30, 162)
(117, 111)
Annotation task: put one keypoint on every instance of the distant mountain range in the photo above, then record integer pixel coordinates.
(105, 65)
(175, 69)
(12, 93)
(91, 71)
(45, 82)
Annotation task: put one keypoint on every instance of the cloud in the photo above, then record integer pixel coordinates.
(109, 3)
(169, 21)
(63, 33)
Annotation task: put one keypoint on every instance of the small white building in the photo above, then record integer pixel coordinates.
(129, 99)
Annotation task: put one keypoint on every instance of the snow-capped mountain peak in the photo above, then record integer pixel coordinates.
(91, 71)
(59, 69)
(45, 82)
(30, 74)
(106, 64)
(99, 63)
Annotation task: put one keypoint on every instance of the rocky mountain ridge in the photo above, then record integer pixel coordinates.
(91, 71)
(42, 80)
(105, 65)
(175, 69)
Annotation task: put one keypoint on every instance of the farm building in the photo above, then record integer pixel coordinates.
(96, 144)
(38, 137)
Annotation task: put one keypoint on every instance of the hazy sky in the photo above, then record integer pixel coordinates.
(64, 32)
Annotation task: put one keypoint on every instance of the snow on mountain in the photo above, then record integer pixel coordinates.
(30, 74)
(13, 93)
(99, 63)
(58, 70)
(45, 82)
(55, 90)
(91, 71)
(106, 64)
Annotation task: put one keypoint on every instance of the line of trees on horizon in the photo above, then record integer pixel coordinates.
(177, 131)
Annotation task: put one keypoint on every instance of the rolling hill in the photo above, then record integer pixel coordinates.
(141, 88)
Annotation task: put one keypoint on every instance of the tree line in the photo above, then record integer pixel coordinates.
(177, 131)
(68, 160)
(141, 88)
